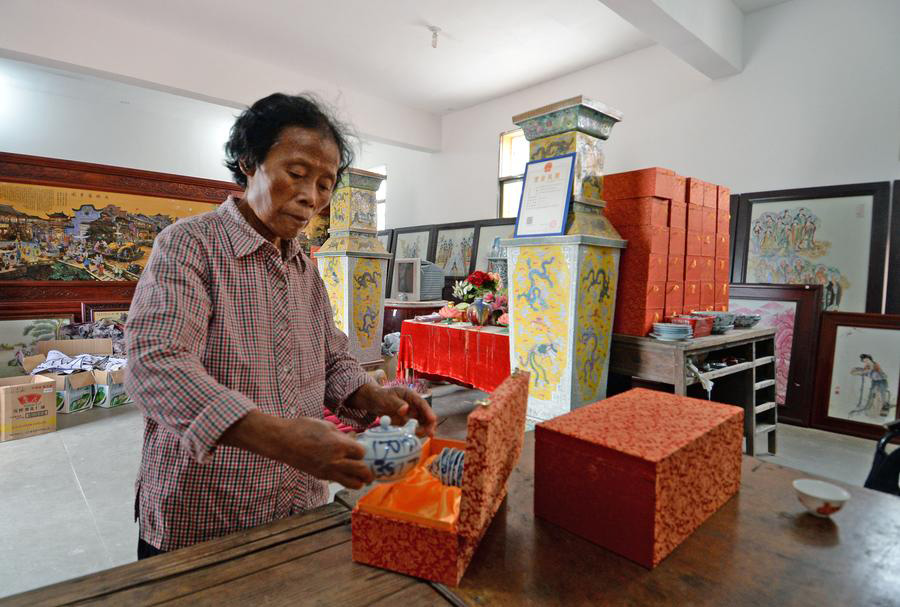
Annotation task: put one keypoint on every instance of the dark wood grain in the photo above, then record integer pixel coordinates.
(761, 548)
(892, 299)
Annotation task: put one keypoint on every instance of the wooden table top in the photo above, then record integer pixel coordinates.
(732, 337)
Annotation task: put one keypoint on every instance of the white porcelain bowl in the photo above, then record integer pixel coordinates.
(820, 498)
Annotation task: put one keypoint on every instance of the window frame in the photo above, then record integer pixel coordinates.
(504, 179)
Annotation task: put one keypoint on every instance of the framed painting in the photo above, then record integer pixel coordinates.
(19, 334)
(794, 311)
(487, 240)
(892, 299)
(386, 236)
(92, 311)
(412, 242)
(73, 230)
(835, 236)
(857, 373)
(454, 249)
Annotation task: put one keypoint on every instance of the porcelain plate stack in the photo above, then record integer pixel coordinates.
(666, 331)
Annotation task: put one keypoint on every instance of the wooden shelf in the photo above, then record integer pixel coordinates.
(764, 407)
(722, 372)
(763, 384)
(765, 428)
(764, 360)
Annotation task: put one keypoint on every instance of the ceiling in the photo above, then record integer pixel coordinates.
(751, 6)
(485, 48)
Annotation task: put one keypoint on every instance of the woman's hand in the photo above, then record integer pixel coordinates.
(398, 402)
(311, 445)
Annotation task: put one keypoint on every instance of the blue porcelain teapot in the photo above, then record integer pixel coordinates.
(391, 451)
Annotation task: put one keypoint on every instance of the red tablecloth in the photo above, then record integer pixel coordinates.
(473, 356)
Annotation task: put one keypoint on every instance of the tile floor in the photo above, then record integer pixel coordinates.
(66, 498)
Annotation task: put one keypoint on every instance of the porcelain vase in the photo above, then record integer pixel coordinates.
(478, 313)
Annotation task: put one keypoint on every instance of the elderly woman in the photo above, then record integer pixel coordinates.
(233, 351)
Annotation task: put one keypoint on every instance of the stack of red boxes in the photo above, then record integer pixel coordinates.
(677, 259)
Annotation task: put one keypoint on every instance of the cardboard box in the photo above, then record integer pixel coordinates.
(691, 296)
(647, 211)
(678, 215)
(693, 267)
(723, 246)
(27, 406)
(693, 243)
(440, 551)
(675, 271)
(677, 242)
(723, 270)
(74, 392)
(721, 296)
(710, 195)
(708, 269)
(642, 267)
(635, 321)
(679, 189)
(649, 239)
(707, 293)
(723, 198)
(695, 218)
(695, 192)
(109, 389)
(708, 223)
(708, 246)
(654, 181)
(638, 472)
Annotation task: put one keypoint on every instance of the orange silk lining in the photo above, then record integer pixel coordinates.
(419, 497)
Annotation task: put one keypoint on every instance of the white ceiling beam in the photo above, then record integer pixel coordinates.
(706, 34)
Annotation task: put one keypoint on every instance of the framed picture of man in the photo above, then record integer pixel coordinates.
(835, 236)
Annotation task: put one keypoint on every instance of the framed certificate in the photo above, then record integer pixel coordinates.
(547, 190)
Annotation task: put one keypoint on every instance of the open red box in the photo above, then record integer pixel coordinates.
(395, 528)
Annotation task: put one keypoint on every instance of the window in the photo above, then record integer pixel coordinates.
(380, 196)
(513, 157)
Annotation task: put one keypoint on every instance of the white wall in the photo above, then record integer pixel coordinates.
(818, 103)
(410, 198)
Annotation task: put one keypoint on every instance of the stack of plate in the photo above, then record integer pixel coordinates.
(667, 331)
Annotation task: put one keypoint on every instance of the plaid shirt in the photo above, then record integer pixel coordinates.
(220, 324)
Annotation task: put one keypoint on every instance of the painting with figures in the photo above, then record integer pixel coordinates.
(814, 242)
(56, 233)
(780, 316)
(21, 336)
(412, 244)
(865, 375)
(454, 251)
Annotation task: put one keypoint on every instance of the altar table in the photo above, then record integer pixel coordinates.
(473, 356)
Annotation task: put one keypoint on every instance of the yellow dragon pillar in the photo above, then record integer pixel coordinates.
(353, 264)
(562, 288)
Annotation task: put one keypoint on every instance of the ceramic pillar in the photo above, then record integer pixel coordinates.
(353, 264)
(563, 288)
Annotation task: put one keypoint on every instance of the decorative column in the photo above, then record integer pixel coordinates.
(562, 288)
(353, 264)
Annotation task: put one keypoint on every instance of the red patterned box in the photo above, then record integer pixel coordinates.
(693, 267)
(677, 242)
(693, 243)
(638, 472)
(642, 267)
(721, 296)
(647, 211)
(694, 218)
(650, 239)
(674, 297)
(710, 195)
(723, 245)
(708, 246)
(675, 271)
(678, 215)
(722, 272)
(724, 198)
(635, 321)
(647, 296)
(695, 191)
(691, 295)
(708, 223)
(679, 191)
(707, 293)
(708, 269)
(723, 221)
(721, 308)
(654, 181)
(411, 542)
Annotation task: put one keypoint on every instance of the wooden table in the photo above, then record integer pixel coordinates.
(396, 311)
(759, 549)
(749, 384)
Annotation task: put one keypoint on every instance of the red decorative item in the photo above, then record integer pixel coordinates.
(440, 551)
(701, 325)
(645, 211)
(638, 472)
(654, 181)
(724, 198)
(678, 215)
(645, 239)
(694, 192)
(710, 195)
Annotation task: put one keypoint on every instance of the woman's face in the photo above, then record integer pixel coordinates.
(294, 182)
